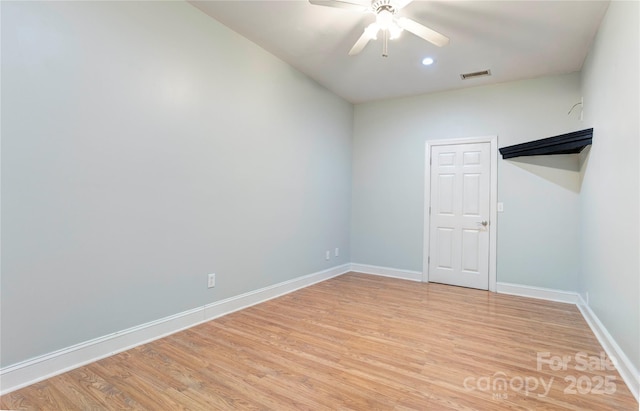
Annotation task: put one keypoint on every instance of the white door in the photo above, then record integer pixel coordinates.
(459, 214)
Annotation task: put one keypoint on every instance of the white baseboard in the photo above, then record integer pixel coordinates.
(387, 272)
(224, 307)
(625, 367)
(46, 366)
(538, 292)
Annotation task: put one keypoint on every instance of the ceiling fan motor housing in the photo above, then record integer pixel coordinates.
(380, 5)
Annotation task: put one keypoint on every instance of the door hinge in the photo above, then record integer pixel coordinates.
(429, 260)
(429, 210)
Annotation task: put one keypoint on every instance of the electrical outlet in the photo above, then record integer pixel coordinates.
(328, 255)
(336, 252)
(211, 280)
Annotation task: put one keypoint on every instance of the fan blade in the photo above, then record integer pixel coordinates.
(421, 31)
(342, 4)
(402, 3)
(360, 44)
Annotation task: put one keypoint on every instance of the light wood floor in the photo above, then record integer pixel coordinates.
(355, 342)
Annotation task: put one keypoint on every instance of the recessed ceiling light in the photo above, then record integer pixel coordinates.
(427, 61)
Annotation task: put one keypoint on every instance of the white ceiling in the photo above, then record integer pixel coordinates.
(513, 39)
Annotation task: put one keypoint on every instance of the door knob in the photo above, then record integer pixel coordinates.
(484, 223)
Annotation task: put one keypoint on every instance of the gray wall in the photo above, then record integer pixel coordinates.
(610, 206)
(145, 145)
(538, 231)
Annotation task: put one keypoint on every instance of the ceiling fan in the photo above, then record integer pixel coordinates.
(386, 23)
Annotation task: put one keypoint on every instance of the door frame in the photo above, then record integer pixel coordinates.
(493, 200)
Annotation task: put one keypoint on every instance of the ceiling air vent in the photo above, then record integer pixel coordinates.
(475, 74)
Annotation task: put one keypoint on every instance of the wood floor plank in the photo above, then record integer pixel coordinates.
(355, 342)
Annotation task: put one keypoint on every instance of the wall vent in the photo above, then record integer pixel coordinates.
(475, 74)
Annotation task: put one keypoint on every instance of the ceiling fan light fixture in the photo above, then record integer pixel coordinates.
(387, 22)
(372, 31)
(384, 19)
(394, 31)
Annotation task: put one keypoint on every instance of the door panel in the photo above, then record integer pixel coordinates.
(459, 214)
(470, 244)
(446, 197)
(471, 195)
(445, 248)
